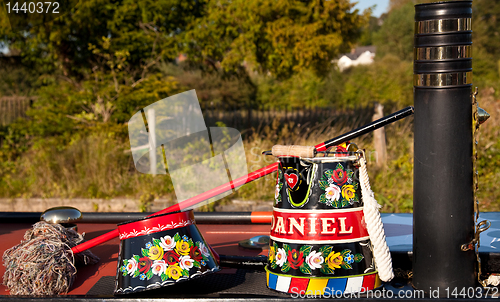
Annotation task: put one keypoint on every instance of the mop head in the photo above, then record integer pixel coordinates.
(43, 263)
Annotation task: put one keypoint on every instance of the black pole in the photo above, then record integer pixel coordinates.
(386, 120)
(443, 205)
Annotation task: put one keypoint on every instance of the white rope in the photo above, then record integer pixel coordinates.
(374, 225)
(493, 279)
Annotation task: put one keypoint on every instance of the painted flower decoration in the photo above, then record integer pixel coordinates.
(332, 192)
(186, 262)
(348, 192)
(305, 259)
(280, 257)
(204, 249)
(144, 264)
(168, 258)
(174, 272)
(339, 187)
(182, 247)
(334, 260)
(131, 266)
(349, 258)
(339, 176)
(272, 254)
(167, 243)
(277, 191)
(155, 252)
(195, 253)
(314, 260)
(159, 267)
(171, 257)
(295, 258)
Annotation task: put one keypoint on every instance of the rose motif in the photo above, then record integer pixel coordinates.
(339, 176)
(171, 258)
(144, 264)
(155, 253)
(280, 257)
(159, 267)
(332, 192)
(295, 258)
(204, 249)
(186, 262)
(334, 260)
(195, 254)
(174, 272)
(182, 247)
(167, 243)
(348, 192)
(314, 260)
(132, 266)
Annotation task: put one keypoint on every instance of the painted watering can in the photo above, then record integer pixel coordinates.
(161, 250)
(320, 241)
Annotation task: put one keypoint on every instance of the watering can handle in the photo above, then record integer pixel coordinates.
(294, 150)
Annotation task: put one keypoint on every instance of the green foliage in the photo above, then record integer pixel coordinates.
(485, 35)
(395, 36)
(213, 87)
(17, 78)
(489, 153)
(302, 90)
(388, 80)
(280, 37)
(368, 31)
(123, 28)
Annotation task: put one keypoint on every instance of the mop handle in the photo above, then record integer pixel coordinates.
(253, 175)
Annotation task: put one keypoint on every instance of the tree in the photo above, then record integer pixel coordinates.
(486, 39)
(280, 37)
(96, 58)
(395, 36)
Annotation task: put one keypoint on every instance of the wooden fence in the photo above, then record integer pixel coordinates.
(13, 107)
(245, 119)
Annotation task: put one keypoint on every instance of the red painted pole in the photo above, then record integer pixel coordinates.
(185, 204)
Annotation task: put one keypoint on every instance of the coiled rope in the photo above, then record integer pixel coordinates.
(374, 226)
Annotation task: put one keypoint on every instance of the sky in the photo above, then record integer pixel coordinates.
(381, 8)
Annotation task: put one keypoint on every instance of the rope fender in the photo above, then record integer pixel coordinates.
(381, 253)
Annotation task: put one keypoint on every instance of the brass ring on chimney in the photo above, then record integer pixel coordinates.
(443, 79)
(443, 25)
(443, 52)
